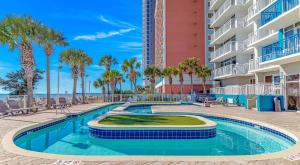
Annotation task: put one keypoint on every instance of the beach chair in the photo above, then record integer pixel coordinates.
(210, 101)
(54, 105)
(5, 110)
(63, 102)
(14, 105)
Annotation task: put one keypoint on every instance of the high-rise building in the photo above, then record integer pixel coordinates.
(181, 32)
(257, 51)
(148, 35)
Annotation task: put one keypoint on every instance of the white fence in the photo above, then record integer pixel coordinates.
(255, 89)
(40, 100)
(229, 70)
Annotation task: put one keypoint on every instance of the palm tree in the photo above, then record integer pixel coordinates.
(99, 83)
(20, 32)
(84, 60)
(130, 67)
(152, 73)
(72, 57)
(106, 80)
(191, 65)
(181, 70)
(170, 72)
(108, 61)
(48, 39)
(203, 73)
(113, 75)
(120, 80)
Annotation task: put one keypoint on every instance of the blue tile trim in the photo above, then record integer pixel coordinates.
(56, 122)
(275, 132)
(152, 134)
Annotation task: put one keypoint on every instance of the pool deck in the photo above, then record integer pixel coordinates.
(287, 120)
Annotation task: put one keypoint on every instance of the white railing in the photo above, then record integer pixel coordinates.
(212, 3)
(230, 24)
(231, 70)
(250, 89)
(259, 35)
(257, 8)
(225, 6)
(232, 46)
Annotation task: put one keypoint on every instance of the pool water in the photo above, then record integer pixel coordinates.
(71, 137)
(143, 109)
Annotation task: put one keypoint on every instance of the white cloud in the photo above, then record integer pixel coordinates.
(102, 35)
(117, 23)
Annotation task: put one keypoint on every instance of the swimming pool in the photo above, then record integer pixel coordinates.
(71, 137)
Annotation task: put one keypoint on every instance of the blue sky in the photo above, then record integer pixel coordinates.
(96, 26)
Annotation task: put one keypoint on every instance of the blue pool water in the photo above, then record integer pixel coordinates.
(71, 137)
(145, 109)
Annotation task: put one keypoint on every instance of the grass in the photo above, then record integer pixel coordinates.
(150, 120)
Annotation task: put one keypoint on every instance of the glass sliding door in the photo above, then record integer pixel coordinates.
(292, 92)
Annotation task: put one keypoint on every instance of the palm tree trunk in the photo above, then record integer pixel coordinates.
(112, 86)
(120, 85)
(131, 86)
(204, 86)
(108, 92)
(48, 80)
(28, 65)
(82, 88)
(192, 89)
(171, 83)
(75, 77)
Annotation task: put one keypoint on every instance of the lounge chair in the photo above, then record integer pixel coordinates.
(209, 101)
(63, 102)
(14, 105)
(54, 105)
(4, 109)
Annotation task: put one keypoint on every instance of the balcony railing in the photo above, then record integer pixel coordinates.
(231, 70)
(258, 35)
(282, 48)
(256, 8)
(231, 24)
(232, 46)
(225, 6)
(250, 89)
(276, 9)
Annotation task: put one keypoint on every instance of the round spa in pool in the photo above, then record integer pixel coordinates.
(71, 136)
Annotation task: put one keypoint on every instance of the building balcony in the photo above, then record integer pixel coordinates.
(228, 50)
(250, 89)
(256, 66)
(226, 31)
(280, 14)
(282, 52)
(255, 10)
(232, 70)
(215, 4)
(262, 38)
(226, 10)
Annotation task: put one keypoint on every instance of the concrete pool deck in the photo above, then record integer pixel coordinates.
(287, 120)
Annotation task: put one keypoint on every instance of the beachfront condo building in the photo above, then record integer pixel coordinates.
(256, 52)
(148, 35)
(181, 32)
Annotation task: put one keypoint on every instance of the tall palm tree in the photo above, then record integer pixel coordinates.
(191, 65)
(48, 39)
(181, 70)
(112, 75)
(203, 73)
(72, 57)
(152, 73)
(108, 61)
(99, 83)
(120, 81)
(84, 60)
(170, 73)
(130, 67)
(20, 32)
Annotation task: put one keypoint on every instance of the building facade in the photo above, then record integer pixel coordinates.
(181, 32)
(256, 51)
(148, 35)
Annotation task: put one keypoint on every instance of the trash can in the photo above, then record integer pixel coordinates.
(277, 104)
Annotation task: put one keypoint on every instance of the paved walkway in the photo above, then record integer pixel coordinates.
(289, 120)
